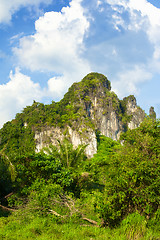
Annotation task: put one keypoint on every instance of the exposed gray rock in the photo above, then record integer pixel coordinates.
(47, 136)
(152, 113)
(50, 136)
(136, 113)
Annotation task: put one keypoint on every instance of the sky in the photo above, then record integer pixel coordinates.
(46, 45)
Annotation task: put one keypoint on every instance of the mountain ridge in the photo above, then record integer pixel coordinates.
(87, 108)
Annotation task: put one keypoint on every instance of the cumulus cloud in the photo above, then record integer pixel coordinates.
(128, 82)
(16, 94)
(9, 7)
(20, 91)
(133, 21)
(57, 46)
(58, 42)
(137, 45)
(58, 85)
(143, 16)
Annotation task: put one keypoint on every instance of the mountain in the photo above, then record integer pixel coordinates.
(87, 109)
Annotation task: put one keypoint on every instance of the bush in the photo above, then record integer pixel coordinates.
(133, 177)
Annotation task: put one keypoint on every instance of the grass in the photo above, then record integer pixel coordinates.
(134, 227)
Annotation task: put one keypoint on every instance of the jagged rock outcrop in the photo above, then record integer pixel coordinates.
(90, 106)
(136, 114)
(152, 113)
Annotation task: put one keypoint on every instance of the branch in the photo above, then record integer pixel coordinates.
(7, 209)
(89, 220)
(8, 195)
(56, 214)
(70, 204)
(84, 218)
(85, 225)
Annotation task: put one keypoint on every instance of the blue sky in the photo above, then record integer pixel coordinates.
(46, 45)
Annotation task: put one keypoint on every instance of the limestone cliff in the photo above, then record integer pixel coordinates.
(50, 135)
(88, 107)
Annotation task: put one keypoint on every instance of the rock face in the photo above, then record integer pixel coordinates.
(47, 136)
(92, 107)
(50, 136)
(152, 113)
(136, 113)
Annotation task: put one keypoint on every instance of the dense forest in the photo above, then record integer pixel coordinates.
(60, 193)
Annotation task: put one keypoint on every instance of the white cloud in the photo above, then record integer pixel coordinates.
(128, 81)
(146, 9)
(9, 7)
(58, 42)
(16, 94)
(57, 86)
(151, 13)
(143, 16)
(100, 6)
(57, 46)
(139, 18)
(118, 21)
(136, 20)
(21, 91)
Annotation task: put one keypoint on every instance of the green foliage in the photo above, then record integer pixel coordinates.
(7, 174)
(133, 179)
(4, 158)
(44, 196)
(134, 226)
(56, 166)
(40, 166)
(93, 80)
(101, 163)
(71, 160)
(5, 180)
(154, 222)
(67, 154)
(16, 139)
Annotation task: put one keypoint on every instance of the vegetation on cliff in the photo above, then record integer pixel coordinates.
(79, 107)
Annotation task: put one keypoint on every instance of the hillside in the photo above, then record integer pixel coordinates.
(63, 191)
(87, 109)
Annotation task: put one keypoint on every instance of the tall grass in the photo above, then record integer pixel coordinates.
(18, 227)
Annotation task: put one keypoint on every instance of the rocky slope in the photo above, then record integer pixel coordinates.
(90, 107)
(87, 109)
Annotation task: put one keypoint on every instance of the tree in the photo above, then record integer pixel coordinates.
(133, 179)
(69, 156)
(5, 159)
